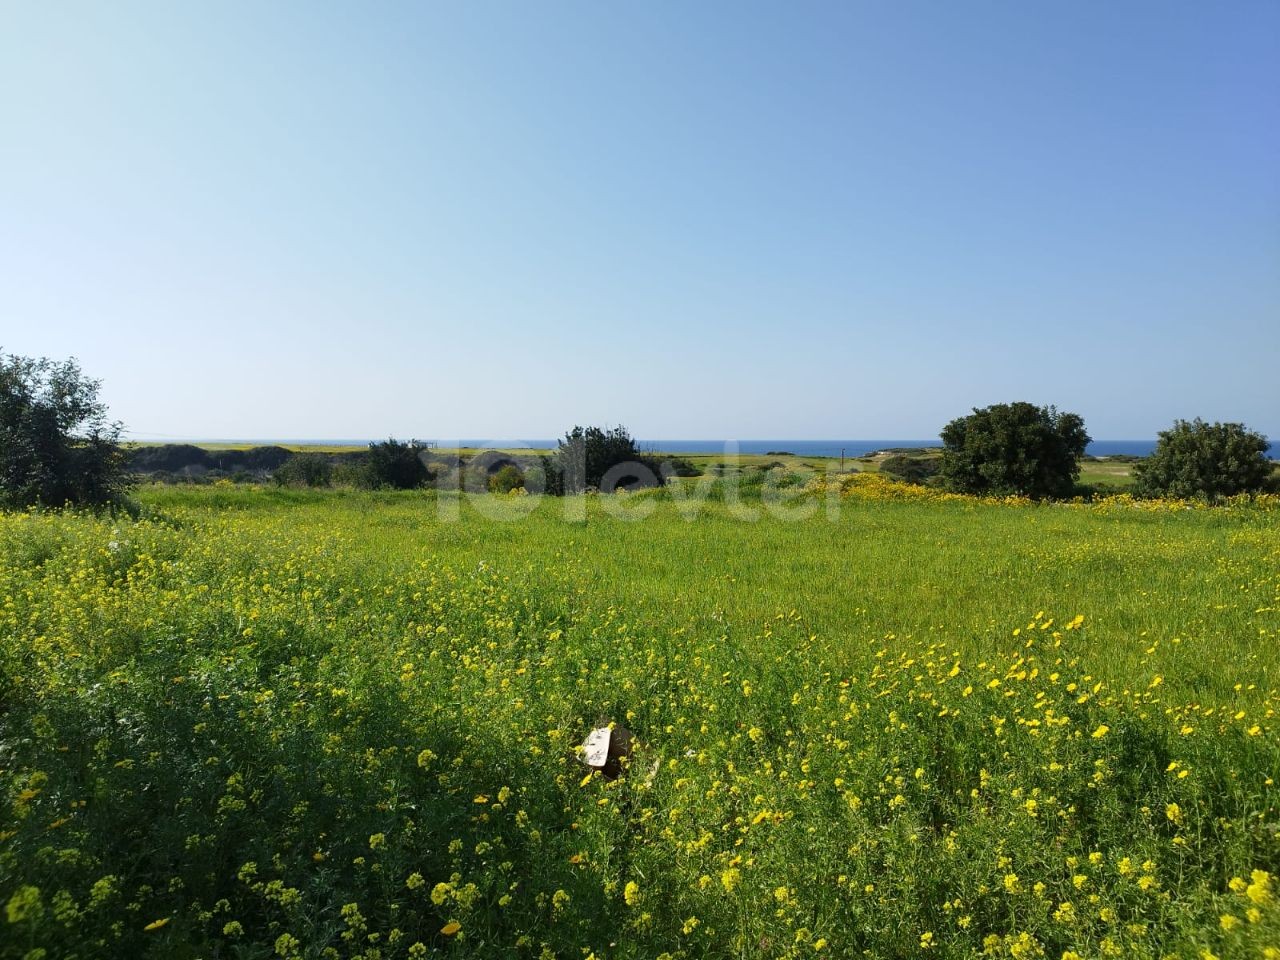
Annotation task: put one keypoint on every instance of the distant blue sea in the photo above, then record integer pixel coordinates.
(804, 448)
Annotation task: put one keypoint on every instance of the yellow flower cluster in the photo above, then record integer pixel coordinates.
(878, 487)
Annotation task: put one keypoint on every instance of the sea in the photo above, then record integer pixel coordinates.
(804, 448)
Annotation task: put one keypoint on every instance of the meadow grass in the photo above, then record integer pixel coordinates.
(965, 571)
(271, 722)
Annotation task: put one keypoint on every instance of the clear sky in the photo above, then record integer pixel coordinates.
(701, 220)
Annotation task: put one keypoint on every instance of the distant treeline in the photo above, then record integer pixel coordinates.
(186, 459)
(388, 464)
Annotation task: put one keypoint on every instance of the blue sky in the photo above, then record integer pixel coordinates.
(699, 220)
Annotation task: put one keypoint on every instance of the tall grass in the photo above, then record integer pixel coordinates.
(274, 722)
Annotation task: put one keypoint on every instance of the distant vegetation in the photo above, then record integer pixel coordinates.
(57, 446)
(593, 458)
(185, 459)
(908, 469)
(599, 458)
(396, 465)
(681, 466)
(305, 470)
(507, 479)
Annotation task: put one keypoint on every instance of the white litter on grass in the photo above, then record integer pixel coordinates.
(595, 751)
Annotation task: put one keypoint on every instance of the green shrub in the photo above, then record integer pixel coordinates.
(305, 470)
(917, 470)
(352, 474)
(1013, 448)
(546, 478)
(254, 458)
(679, 467)
(508, 478)
(1208, 460)
(166, 457)
(395, 464)
(595, 458)
(177, 457)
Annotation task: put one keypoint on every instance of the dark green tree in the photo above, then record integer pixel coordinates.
(1194, 459)
(590, 457)
(547, 477)
(396, 464)
(57, 445)
(1013, 448)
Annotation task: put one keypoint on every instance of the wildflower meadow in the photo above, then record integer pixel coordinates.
(255, 722)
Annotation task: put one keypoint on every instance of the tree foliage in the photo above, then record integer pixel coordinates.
(396, 464)
(305, 470)
(1209, 460)
(599, 458)
(507, 478)
(917, 470)
(1013, 448)
(57, 445)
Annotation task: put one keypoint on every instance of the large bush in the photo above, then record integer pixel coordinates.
(478, 473)
(918, 470)
(305, 470)
(396, 464)
(1013, 448)
(167, 457)
(179, 457)
(599, 458)
(547, 477)
(679, 467)
(352, 473)
(253, 458)
(57, 446)
(1209, 460)
(506, 478)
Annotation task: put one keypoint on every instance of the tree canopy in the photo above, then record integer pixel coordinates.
(1208, 460)
(599, 458)
(396, 464)
(57, 445)
(1013, 448)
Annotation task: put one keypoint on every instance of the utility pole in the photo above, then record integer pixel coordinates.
(842, 459)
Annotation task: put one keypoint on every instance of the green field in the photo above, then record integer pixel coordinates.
(271, 722)
(1098, 475)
